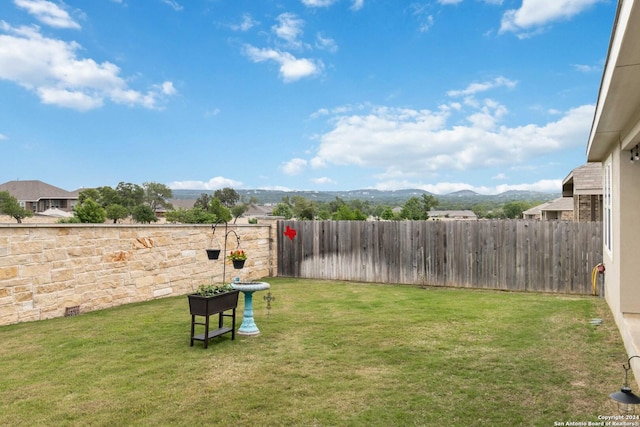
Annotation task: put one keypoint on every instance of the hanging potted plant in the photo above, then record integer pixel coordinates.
(213, 253)
(238, 257)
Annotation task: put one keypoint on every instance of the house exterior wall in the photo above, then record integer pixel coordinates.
(614, 132)
(47, 268)
(557, 215)
(587, 207)
(629, 241)
(622, 287)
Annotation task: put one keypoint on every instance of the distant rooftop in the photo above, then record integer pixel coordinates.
(34, 190)
(585, 179)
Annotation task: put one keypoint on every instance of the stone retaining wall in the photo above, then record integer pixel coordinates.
(49, 270)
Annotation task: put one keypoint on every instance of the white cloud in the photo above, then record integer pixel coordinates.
(357, 5)
(587, 68)
(291, 68)
(543, 186)
(3, 137)
(167, 88)
(474, 88)
(71, 99)
(500, 176)
(51, 69)
(421, 12)
(406, 144)
(318, 3)
(48, 13)
(323, 181)
(246, 24)
(326, 43)
(214, 183)
(174, 4)
(212, 113)
(289, 28)
(538, 13)
(294, 166)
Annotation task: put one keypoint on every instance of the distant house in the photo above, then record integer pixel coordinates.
(38, 197)
(452, 215)
(584, 185)
(182, 203)
(558, 209)
(535, 212)
(259, 210)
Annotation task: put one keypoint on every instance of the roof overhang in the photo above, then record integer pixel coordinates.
(617, 115)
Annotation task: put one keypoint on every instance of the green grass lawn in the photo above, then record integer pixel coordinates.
(329, 354)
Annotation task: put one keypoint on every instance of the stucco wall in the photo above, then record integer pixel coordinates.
(621, 284)
(46, 269)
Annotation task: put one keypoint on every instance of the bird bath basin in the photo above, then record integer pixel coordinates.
(248, 326)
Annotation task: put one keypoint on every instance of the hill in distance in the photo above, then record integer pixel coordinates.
(391, 198)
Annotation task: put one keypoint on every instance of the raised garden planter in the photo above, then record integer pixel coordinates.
(206, 306)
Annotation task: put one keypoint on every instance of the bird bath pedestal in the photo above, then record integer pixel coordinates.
(248, 326)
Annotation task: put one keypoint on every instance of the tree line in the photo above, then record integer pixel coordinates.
(414, 208)
(141, 203)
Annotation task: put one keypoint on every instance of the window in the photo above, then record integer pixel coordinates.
(608, 227)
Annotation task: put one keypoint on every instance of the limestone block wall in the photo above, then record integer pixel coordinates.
(49, 270)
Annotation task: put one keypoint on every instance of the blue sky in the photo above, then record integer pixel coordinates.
(324, 95)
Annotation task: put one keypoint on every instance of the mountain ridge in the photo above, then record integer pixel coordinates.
(389, 197)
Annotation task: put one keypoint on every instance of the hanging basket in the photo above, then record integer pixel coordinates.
(238, 263)
(213, 253)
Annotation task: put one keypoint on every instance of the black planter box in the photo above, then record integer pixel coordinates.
(208, 306)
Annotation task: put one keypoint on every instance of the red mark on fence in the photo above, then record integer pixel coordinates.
(290, 232)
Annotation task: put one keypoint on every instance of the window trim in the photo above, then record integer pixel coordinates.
(608, 207)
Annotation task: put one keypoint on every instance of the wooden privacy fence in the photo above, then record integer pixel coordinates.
(519, 255)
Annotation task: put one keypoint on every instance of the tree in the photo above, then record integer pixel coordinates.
(143, 214)
(108, 196)
(156, 195)
(228, 196)
(196, 215)
(9, 205)
(90, 212)
(428, 202)
(303, 208)
(480, 209)
(514, 209)
(88, 193)
(221, 212)
(203, 201)
(284, 210)
(364, 207)
(238, 210)
(345, 213)
(412, 209)
(336, 204)
(323, 214)
(116, 212)
(131, 195)
(387, 214)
